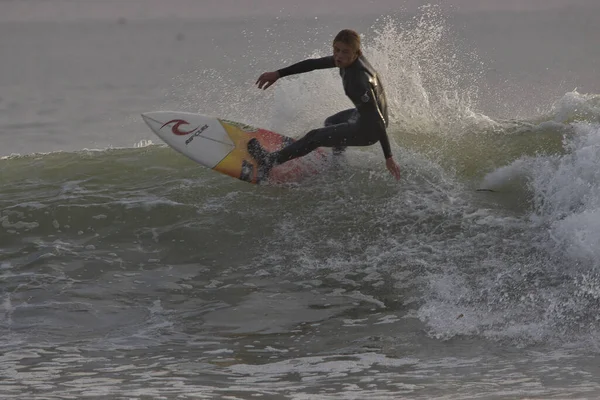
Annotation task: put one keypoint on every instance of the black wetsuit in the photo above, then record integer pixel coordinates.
(363, 126)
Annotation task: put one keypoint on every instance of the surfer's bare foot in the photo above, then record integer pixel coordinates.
(256, 151)
(264, 159)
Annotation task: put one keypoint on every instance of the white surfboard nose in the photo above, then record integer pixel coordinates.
(156, 119)
(152, 119)
(200, 137)
(147, 116)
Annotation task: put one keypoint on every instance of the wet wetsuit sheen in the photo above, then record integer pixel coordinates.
(364, 89)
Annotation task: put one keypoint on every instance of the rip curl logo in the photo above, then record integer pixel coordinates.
(175, 128)
(199, 130)
(176, 131)
(365, 97)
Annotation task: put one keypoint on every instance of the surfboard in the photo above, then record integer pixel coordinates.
(221, 145)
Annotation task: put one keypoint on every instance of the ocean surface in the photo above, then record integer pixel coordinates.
(127, 271)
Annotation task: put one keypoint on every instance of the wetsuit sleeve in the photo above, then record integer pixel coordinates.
(307, 65)
(385, 144)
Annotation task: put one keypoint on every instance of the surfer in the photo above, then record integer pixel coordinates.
(363, 125)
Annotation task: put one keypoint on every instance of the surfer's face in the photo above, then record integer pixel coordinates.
(344, 54)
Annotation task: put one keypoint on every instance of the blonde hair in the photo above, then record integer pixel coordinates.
(349, 37)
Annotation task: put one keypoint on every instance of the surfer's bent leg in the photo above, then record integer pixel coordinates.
(350, 115)
(340, 135)
(341, 117)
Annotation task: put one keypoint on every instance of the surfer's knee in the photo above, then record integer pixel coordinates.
(311, 136)
(312, 140)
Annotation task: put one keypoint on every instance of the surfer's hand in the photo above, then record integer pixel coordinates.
(393, 167)
(267, 79)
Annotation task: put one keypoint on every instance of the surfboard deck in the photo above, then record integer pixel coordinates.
(221, 145)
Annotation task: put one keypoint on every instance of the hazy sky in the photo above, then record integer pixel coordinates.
(62, 10)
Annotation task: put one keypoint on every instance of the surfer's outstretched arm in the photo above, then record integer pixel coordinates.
(308, 65)
(269, 78)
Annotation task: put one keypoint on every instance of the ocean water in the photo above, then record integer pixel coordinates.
(129, 272)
